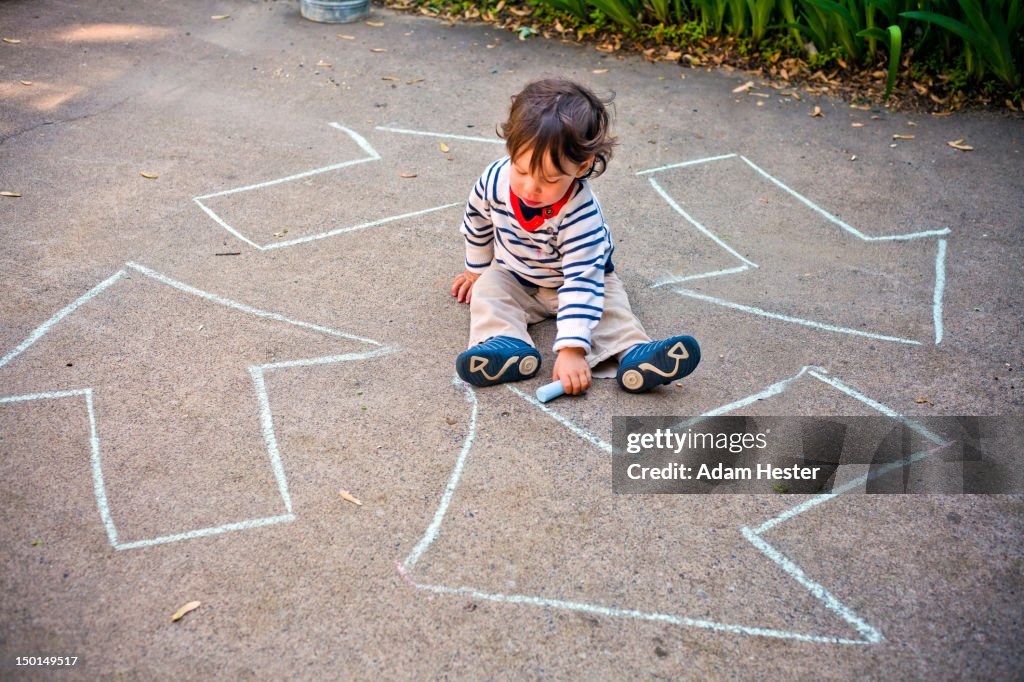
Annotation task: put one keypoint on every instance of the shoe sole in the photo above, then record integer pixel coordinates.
(678, 361)
(472, 367)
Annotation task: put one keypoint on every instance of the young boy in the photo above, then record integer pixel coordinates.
(537, 246)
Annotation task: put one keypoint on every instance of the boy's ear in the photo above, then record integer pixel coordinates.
(585, 167)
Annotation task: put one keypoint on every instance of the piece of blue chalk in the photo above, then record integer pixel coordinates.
(550, 391)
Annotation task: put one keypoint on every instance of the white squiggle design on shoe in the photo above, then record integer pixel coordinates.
(648, 367)
(477, 364)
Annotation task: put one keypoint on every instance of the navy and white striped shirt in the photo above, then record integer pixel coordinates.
(570, 251)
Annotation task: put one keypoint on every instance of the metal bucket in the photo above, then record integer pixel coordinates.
(334, 11)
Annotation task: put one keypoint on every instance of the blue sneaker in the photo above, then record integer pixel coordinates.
(497, 360)
(659, 362)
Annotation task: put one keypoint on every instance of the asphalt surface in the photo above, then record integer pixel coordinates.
(193, 365)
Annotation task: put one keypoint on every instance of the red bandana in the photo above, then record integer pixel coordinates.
(545, 212)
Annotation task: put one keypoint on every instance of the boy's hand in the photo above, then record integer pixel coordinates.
(463, 286)
(572, 370)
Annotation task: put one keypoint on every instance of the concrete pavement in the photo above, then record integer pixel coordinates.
(193, 365)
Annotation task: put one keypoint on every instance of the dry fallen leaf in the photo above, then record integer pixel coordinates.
(148, 176)
(347, 496)
(346, 37)
(817, 113)
(376, 24)
(743, 88)
(323, 63)
(407, 175)
(921, 401)
(191, 606)
(378, 49)
(958, 144)
(26, 82)
(390, 78)
(443, 147)
(221, 16)
(281, 233)
(861, 107)
(10, 194)
(414, 81)
(450, 421)
(11, 41)
(857, 125)
(599, 71)
(902, 137)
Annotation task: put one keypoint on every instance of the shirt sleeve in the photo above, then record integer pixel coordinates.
(477, 227)
(585, 251)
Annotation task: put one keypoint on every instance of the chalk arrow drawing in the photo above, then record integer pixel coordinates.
(780, 565)
(163, 385)
(837, 281)
(353, 195)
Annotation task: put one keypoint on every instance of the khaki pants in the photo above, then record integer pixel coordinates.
(501, 306)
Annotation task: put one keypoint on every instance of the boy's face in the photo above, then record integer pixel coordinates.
(546, 187)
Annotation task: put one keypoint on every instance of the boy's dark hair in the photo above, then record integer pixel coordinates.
(560, 118)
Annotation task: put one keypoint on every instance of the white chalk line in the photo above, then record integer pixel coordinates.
(708, 233)
(443, 136)
(227, 227)
(453, 481)
(939, 291)
(243, 307)
(99, 490)
(256, 372)
(683, 164)
(833, 219)
(206, 532)
(270, 437)
(616, 612)
(328, 360)
(363, 226)
(870, 634)
(703, 275)
(795, 320)
(290, 178)
(879, 407)
(579, 431)
(775, 389)
(46, 326)
(846, 487)
(940, 274)
(45, 396)
(371, 155)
